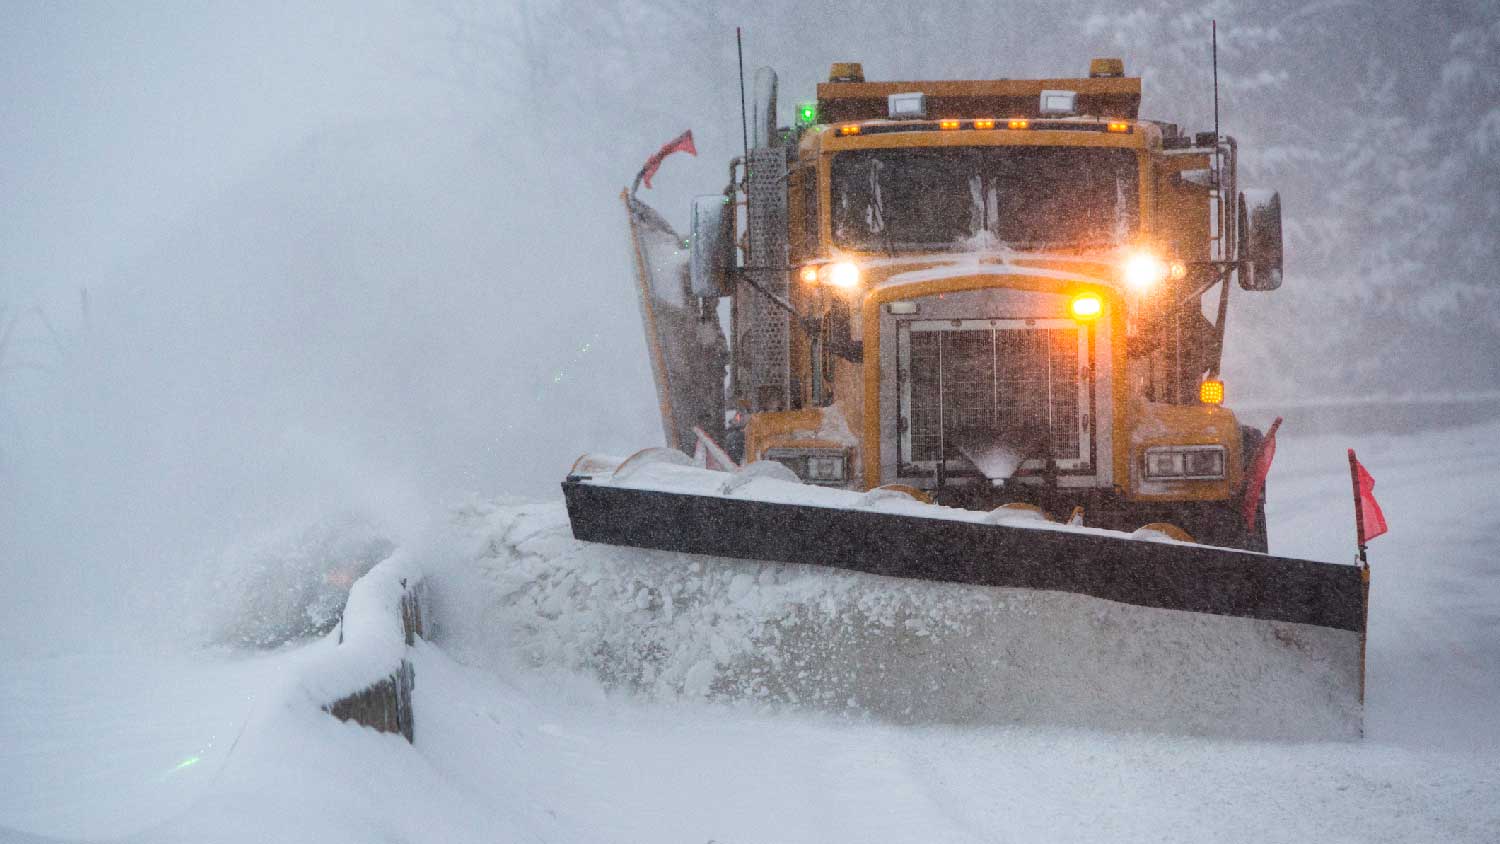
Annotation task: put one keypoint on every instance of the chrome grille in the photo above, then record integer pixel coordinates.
(993, 381)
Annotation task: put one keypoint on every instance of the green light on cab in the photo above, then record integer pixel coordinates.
(807, 114)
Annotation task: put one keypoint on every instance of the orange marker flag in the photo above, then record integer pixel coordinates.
(1369, 521)
(681, 143)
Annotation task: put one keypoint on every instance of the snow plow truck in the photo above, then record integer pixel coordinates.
(974, 336)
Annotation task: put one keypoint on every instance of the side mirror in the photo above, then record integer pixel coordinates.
(1260, 240)
(712, 246)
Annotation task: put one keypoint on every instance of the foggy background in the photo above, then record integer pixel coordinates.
(263, 265)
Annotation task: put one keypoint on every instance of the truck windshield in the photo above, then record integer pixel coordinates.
(957, 198)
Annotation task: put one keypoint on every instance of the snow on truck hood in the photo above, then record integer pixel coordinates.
(976, 268)
(889, 272)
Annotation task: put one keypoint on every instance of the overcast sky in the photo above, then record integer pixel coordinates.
(119, 119)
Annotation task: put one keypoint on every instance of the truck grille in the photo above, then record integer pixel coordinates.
(1001, 381)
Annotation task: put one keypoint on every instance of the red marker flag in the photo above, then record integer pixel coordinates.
(1369, 521)
(1255, 477)
(681, 143)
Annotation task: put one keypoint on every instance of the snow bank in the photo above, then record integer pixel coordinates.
(676, 626)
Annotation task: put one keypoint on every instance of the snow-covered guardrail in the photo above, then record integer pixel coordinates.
(368, 675)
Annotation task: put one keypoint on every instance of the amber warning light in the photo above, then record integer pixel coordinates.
(1087, 306)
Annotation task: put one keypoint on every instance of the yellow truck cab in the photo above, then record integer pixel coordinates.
(994, 291)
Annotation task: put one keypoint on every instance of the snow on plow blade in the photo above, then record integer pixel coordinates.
(1074, 627)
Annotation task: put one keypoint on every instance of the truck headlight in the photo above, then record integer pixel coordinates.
(844, 274)
(821, 466)
(1144, 271)
(1186, 462)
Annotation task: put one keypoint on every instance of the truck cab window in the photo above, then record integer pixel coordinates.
(956, 198)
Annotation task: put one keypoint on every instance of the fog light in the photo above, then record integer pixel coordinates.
(1087, 306)
(1164, 464)
(1211, 391)
(825, 468)
(820, 466)
(1204, 463)
(809, 274)
(1185, 462)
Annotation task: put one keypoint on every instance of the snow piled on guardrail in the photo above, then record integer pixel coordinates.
(670, 626)
(369, 643)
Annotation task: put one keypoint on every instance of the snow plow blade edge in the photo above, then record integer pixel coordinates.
(1174, 576)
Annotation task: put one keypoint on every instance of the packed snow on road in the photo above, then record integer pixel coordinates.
(580, 693)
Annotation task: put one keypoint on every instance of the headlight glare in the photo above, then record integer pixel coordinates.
(1087, 306)
(1144, 271)
(844, 274)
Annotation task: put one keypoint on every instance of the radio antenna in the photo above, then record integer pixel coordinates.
(739, 45)
(1214, 40)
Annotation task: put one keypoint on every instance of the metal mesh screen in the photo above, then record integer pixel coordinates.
(1012, 385)
(761, 334)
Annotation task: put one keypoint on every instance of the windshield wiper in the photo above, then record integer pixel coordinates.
(877, 203)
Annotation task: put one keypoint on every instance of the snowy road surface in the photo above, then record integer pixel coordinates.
(95, 745)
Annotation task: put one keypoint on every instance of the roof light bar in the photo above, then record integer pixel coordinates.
(1059, 103)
